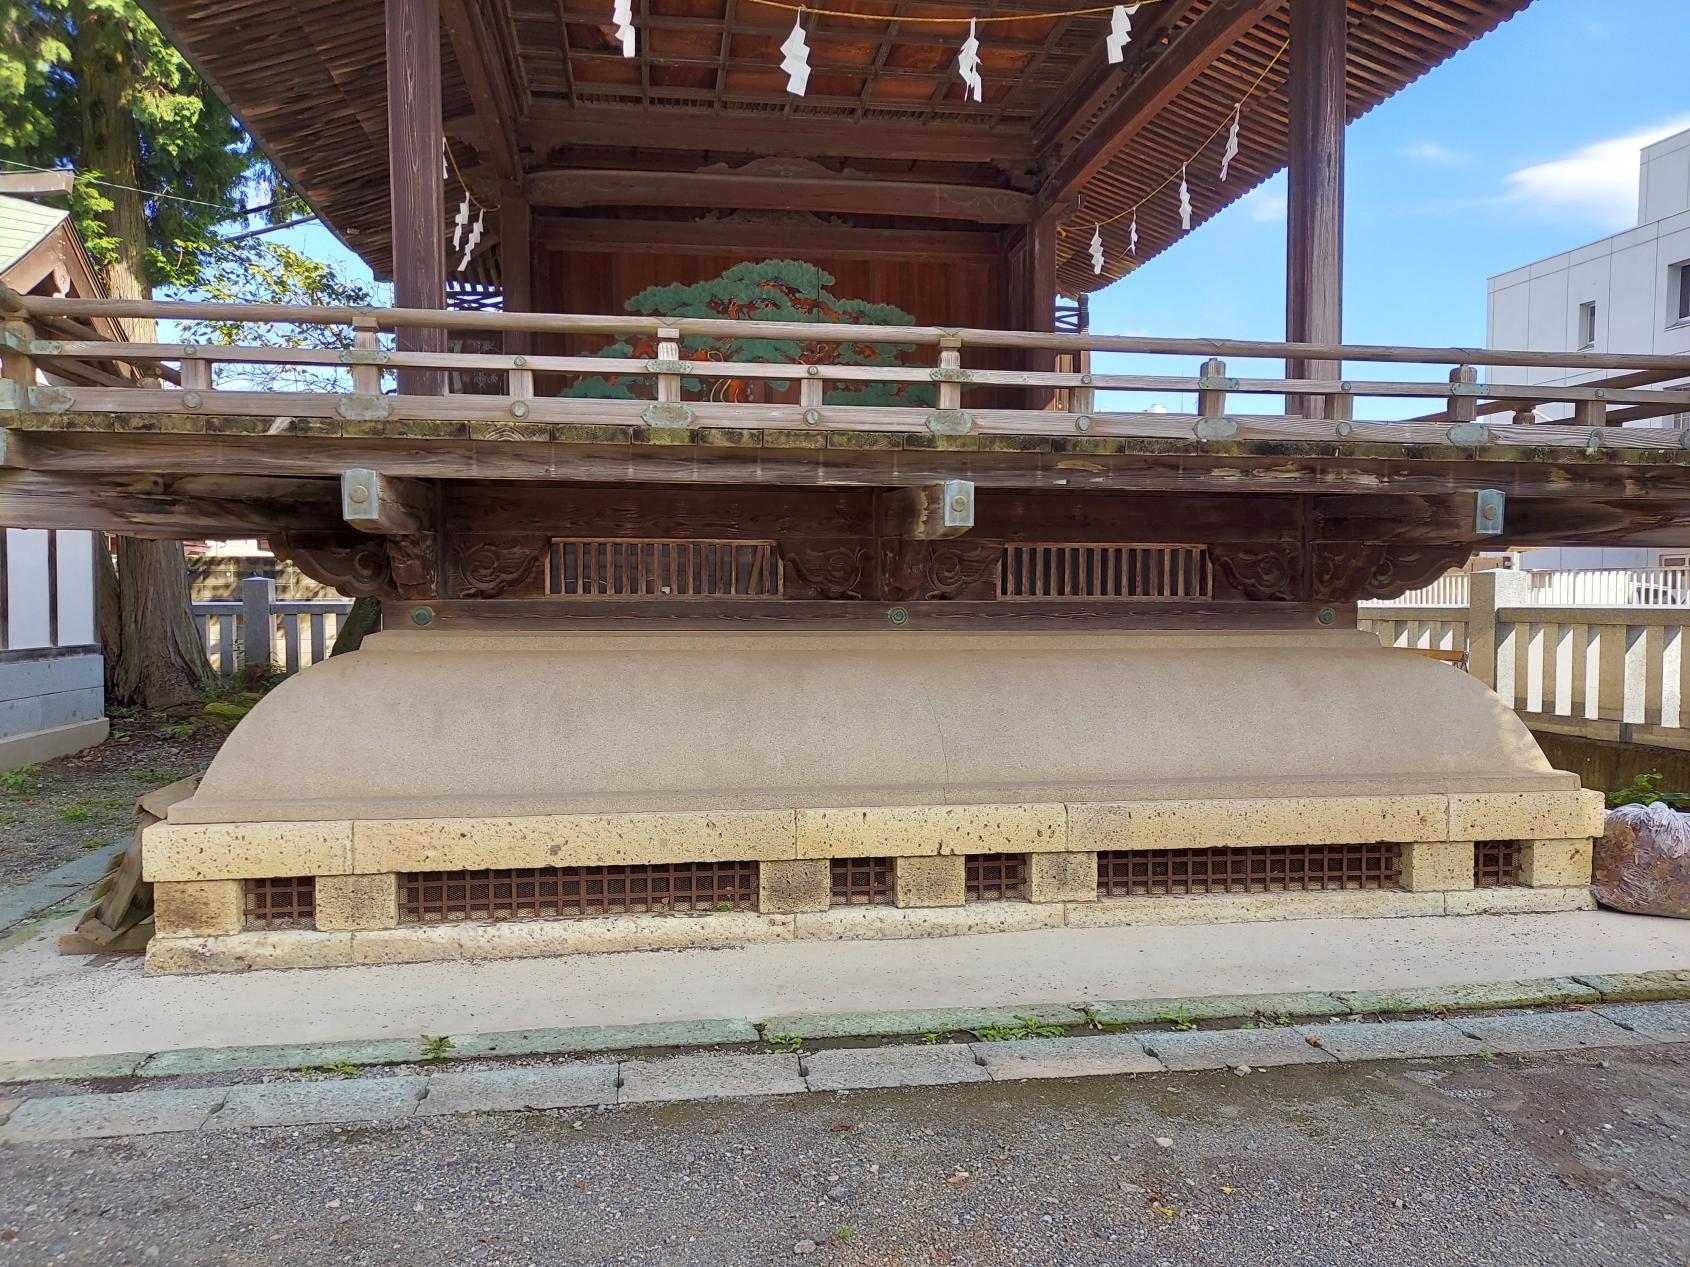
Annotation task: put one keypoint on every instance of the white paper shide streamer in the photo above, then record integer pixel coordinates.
(459, 223)
(623, 17)
(1184, 201)
(1097, 248)
(968, 64)
(474, 239)
(795, 60)
(1231, 142)
(1120, 32)
(1132, 234)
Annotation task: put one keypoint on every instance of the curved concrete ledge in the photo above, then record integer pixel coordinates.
(443, 726)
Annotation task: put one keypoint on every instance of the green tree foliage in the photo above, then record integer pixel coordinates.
(255, 271)
(771, 290)
(95, 86)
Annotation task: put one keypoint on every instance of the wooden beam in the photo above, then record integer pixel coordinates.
(930, 512)
(173, 508)
(630, 614)
(1314, 241)
(1187, 55)
(489, 90)
(715, 237)
(1247, 467)
(516, 262)
(586, 187)
(552, 124)
(376, 503)
(417, 190)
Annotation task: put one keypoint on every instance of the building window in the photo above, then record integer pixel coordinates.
(1679, 291)
(1587, 324)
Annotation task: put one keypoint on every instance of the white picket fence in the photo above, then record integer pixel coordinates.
(1566, 653)
(288, 634)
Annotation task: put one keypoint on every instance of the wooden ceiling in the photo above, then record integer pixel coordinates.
(538, 96)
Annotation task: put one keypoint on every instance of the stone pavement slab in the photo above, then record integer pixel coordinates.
(512, 1090)
(308, 1103)
(1665, 1022)
(7, 1108)
(1529, 992)
(1227, 1048)
(71, 1068)
(951, 1020)
(194, 1060)
(1392, 1040)
(859, 1068)
(709, 1076)
(47, 891)
(1670, 983)
(105, 1116)
(1096, 1055)
(543, 1042)
(1546, 1031)
(1217, 1007)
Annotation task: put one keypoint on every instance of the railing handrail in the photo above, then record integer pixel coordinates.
(926, 336)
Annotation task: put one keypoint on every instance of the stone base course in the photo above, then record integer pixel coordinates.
(1392, 1040)
(1546, 1031)
(1229, 1048)
(306, 1103)
(917, 1065)
(513, 1090)
(709, 1076)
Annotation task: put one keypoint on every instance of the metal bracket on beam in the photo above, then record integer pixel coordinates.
(1488, 512)
(372, 502)
(950, 422)
(364, 407)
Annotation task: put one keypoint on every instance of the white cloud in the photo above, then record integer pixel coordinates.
(1432, 152)
(1265, 205)
(1598, 180)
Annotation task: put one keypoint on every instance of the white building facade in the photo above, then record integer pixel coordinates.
(1625, 293)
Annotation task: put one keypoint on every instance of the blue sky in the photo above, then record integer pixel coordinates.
(1520, 147)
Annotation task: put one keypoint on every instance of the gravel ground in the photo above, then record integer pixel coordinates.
(1579, 1158)
(54, 812)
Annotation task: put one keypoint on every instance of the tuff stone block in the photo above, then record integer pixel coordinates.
(357, 901)
(1437, 865)
(788, 887)
(931, 881)
(1241, 821)
(1541, 815)
(197, 908)
(234, 851)
(1555, 863)
(1062, 877)
(909, 830)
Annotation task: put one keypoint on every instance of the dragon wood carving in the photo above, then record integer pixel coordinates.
(1333, 572)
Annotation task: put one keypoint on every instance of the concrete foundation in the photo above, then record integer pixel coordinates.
(453, 753)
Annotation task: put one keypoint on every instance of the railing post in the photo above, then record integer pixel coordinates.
(950, 361)
(1211, 403)
(366, 342)
(258, 597)
(1463, 408)
(669, 351)
(16, 366)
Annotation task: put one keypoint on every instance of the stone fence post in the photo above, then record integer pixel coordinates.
(1487, 591)
(258, 625)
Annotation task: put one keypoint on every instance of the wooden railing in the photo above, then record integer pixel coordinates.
(260, 629)
(1619, 671)
(683, 382)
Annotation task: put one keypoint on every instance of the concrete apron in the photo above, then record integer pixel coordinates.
(71, 1007)
(783, 753)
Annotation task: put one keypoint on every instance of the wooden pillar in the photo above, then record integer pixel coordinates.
(1314, 247)
(414, 153)
(1037, 292)
(516, 263)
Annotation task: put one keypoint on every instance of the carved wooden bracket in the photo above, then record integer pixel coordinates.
(364, 566)
(1332, 572)
(916, 571)
(833, 568)
(497, 566)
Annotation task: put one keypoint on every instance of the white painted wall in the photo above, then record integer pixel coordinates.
(1632, 279)
(52, 694)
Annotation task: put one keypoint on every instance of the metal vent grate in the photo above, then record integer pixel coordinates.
(1048, 570)
(584, 567)
(1496, 863)
(995, 877)
(288, 901)
(432, 897)
(862, 881)
(1259, 869)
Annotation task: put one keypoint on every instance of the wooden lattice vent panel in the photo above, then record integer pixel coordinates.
(1118, 572)
(1496, 863)
(1259, 869)
(288, 901)
(431, 897)
(663, 568)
